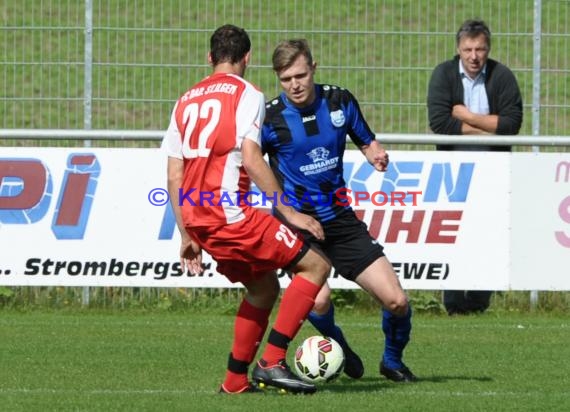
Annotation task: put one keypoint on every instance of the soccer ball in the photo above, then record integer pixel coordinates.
(319, 359)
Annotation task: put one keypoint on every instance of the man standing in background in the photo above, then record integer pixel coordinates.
(472, 94)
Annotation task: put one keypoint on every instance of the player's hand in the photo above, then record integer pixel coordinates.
(381, 160)
(191, 256)
(376, 155)
(306, 222)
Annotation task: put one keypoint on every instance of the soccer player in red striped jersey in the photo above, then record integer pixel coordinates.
(213, 147)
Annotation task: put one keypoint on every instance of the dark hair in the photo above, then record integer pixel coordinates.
(229, 44)
(473, 28)
(287, 52)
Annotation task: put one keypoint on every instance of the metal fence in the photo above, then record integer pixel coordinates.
(120, 64)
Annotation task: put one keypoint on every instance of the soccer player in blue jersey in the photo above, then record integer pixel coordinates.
(304, 135)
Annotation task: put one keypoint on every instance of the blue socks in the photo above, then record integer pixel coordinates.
(397, 330)
(326, 326)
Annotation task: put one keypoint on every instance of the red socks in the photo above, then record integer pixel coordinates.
(249, 327)
(298, 300)
(251, 322)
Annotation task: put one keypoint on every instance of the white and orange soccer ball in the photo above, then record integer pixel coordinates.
(319, 359)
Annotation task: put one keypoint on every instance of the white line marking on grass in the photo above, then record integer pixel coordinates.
(33, 391)
(323, 391)
(488, 394)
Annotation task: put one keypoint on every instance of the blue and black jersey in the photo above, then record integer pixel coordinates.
(306, 147)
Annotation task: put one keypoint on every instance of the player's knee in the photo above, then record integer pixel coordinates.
(322, 304)
(314, 267)
(398, 305)
(273, 293)
(264, 294)
(323, 268)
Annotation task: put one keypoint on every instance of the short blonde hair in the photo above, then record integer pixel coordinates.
(287, 52)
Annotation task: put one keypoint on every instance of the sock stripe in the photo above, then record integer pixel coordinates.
(278, 339)
(237, 366)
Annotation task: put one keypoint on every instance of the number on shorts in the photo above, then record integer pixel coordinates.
(209, 110)
(286, 236)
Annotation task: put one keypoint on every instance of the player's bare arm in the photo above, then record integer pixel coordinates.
(475, 123)
(259, 171)
(190, 251)
(376, 155)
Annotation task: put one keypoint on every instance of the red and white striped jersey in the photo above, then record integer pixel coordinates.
(207, 128)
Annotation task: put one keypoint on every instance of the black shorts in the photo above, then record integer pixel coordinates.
(347, 244)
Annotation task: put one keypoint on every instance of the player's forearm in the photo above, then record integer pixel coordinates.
(175, 176)
(367, 152)
(262, 175)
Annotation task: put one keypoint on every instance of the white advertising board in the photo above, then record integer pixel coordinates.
(540, 237)
(88, 217)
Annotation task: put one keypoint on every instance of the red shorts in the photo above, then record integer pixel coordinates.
(251, 247)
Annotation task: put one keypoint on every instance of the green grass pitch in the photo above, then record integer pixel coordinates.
(107, 361)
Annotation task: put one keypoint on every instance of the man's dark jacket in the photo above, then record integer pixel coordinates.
(446, 90)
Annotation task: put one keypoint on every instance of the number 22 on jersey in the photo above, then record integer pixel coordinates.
(286, 236)
(196, 146)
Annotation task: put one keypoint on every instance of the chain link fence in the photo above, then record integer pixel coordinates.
(121, 64)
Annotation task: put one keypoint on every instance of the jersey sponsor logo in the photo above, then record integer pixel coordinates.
(321, 162)
(337, 118)
(319, 154)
